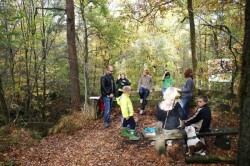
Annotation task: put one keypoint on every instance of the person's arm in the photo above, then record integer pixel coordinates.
(160, 114)
(127, 82)
(139, 84)
(163, 77)
(117, 81)
(130, 108)
(113, 86)
(104, 89)
(188, 86)
(124, 108)
(196, 119)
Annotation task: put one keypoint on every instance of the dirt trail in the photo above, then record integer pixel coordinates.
(96, 145)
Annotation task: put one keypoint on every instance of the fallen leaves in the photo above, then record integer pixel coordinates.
(96, 145)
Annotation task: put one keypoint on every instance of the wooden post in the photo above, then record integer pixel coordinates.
(160, 146)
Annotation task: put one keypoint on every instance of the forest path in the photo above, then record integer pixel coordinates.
(96, 145)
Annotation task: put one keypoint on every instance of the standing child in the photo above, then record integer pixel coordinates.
(127, 114)
(167, 82)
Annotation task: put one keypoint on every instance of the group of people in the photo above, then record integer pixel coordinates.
(169, 112)
(173, 116)
(108, 90)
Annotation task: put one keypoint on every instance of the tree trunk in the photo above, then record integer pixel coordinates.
(94, 82)
(85, 52)
(243, 157)
(216, 44)
(44, 48)
(192, 35)
(27, 90)
(74, 71)
(86, 77)
(4, 113)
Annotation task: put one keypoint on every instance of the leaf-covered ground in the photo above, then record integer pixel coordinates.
(96, 145)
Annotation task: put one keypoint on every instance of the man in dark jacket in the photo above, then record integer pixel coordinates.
(108, 92)
(202, 118)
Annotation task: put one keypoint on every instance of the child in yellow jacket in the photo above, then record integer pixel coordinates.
(127, 114)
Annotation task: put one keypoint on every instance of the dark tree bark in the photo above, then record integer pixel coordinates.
(4, 113)
(192, 34)
(74, 71)
(44, 52)
(28, 89)
(243, 157)
(216, 44)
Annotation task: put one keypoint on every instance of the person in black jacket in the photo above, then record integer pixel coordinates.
(202, 118)
(121, 82)
(169, 111)
(108, 93)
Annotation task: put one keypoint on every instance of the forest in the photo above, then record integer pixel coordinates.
(53, 54)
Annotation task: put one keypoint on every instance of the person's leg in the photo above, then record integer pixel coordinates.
(106, 110)
(144, 99)
(141, 92)
(125, 132)
(131, 123)
(185, 104)
(163, 91)
(111, 104)
(132, 136)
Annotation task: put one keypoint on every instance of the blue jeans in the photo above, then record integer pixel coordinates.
(163, 91)
(143, 92)
(107, 104)
(185, 104)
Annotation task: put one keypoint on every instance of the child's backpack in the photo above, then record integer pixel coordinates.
(100, 107)
(101, 104)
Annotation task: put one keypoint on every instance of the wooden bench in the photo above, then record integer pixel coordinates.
(210, 159)
(220, 141)
(153, 99)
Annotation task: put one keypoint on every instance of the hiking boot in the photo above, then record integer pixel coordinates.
(169, 142)
(106, 125)
(132, 136)
(141, 112)
(125, 132)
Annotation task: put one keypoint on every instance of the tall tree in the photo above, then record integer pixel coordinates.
(244, 144)
(85, 51)
(4, 113)
(192, 34)
(74, 70)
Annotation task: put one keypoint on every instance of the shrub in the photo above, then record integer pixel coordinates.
(73, 122)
